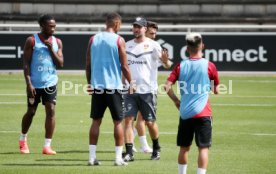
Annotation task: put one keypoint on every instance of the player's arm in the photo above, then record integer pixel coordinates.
(213, 75)
(173, 77)
(88, 67)
(27, 58)
(123, 60)
(163, 55)
(56, 56)
(168, 88)
(88, 64)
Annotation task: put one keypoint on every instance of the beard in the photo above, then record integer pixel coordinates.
(137, 36)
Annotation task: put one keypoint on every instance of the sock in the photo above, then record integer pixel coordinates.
(129, 148)
(92, 152)
(47, 142)
(118, 152)
(23, 137)
(143, 141)
(201, 171)
(155, 144)
(182, 168)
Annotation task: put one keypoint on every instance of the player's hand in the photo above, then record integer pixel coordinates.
(164, 55)
(48, 44)
(31, 91)
(131, 89)
(89, 90)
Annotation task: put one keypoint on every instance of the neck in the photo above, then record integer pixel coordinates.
(196, 55)
(44, 35)
(109, 29)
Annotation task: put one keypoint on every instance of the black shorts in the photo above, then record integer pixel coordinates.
(101, 99)
(145, 103)
(47, 94)
(200, 127)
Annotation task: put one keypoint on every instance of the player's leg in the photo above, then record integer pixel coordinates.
(131, 110)
(49, 100)
(128, 156)
(147, 106)
(153, 130)
(202, 160)
(184, 140)
(115, 104)
(203, 137)
(27, 121)
(183, 159)
(141, 130)
(98, 107)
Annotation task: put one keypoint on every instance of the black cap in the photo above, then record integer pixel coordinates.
(140, 21)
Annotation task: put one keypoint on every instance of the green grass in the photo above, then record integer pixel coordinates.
(244, 136)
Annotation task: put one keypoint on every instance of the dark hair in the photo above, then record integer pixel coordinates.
(195, 43)
(112, 17)
(44, 18)
(151, 24)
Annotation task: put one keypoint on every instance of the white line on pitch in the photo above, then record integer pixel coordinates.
(246, 105)
(162, 133)
(255, 81)
(261, 134)
(12, 94)
(12, 103)
(9, 131)
(240, 96)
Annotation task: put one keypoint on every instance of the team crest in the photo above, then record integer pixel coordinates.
(146, 46)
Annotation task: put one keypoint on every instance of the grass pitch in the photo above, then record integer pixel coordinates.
(244, 131)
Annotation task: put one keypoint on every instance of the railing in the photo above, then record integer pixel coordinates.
(127, 27)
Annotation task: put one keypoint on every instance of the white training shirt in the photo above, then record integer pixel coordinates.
(143, 59)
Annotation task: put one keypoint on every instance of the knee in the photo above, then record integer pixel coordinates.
(150, 124)
(185, 149)
(128, 122)
(96, 122)
(31, 112)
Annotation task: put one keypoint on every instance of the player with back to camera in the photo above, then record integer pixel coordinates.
(194, 75)
(106, 61)
(42, 53)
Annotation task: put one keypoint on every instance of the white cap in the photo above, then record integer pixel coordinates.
(191, 36)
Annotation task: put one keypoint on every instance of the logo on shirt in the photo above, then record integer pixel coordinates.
(138, 62)
(146, 46)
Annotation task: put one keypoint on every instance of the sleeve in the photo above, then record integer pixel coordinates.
(213, 74)
(174, 76)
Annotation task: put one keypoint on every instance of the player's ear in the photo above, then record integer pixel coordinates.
(203, 46)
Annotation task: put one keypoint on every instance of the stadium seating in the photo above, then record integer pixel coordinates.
(163, 11)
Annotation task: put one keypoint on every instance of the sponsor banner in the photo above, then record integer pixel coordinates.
(229, 52)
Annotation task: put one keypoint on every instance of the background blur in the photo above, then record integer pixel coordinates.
(238, 35)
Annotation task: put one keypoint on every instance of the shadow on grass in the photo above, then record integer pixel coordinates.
(58, 152)
(9, 153)
(42, 164)
(82, 151)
